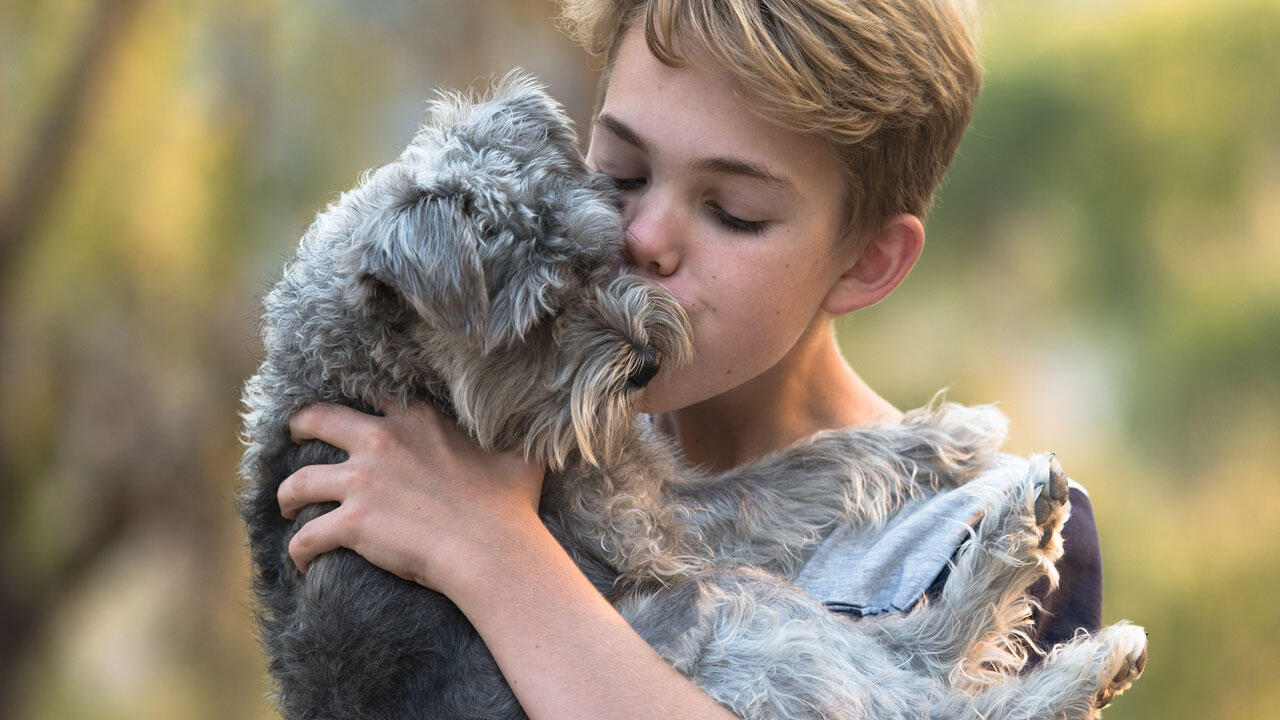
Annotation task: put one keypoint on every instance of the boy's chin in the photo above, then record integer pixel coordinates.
(650, 405)
(657, 397)
(668, 394)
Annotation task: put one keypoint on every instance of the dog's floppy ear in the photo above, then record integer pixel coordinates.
(425, 248)
(525, 297)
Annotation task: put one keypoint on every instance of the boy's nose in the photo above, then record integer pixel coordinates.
(652, 241)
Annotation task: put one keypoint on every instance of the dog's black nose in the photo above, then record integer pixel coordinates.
(650, 359)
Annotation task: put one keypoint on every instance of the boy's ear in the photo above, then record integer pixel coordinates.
(886, 257)
(424, 250)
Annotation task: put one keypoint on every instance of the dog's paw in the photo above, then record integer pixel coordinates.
(1051, 505)
(1125, 660)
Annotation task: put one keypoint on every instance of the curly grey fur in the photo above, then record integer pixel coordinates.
(479, 271)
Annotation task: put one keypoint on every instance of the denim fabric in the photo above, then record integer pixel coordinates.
(889, 569)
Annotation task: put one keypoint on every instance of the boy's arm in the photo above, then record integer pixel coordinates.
(565, 651)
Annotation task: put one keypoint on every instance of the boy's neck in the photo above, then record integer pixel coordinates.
(811, 389)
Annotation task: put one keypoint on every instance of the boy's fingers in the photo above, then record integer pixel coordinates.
(338, 425)
(310, 484)
(316, 537)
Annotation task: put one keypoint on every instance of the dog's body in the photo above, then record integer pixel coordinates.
(479, 272)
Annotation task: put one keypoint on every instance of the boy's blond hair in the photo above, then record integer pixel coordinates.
(891, 83)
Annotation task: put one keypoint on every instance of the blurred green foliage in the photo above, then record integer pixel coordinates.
(1104, 260)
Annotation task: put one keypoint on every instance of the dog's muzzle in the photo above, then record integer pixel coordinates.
(650, 360)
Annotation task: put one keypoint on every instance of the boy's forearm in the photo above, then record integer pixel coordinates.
(563, 648)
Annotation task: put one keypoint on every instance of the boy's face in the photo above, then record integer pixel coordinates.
(739, 218)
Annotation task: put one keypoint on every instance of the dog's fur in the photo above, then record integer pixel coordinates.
(479, 271)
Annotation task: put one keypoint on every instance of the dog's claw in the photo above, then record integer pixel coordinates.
(1058, 488)
(1052, 497)
(1122, 680)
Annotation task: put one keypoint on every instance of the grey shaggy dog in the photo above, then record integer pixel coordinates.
(480, 272)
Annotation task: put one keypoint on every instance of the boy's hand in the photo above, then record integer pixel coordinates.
(417, 496)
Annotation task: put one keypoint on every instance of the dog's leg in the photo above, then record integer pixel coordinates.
(772, 513)
(969, 634)
(1074, 682)
(349, 640)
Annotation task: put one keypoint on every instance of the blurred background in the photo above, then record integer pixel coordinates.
(1104, 261)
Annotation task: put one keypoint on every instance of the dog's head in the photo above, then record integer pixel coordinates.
(495, 252)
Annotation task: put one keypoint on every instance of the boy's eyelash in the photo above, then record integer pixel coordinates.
(631, 183)
(737, 224)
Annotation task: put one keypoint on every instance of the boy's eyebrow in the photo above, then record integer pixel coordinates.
(732, 166)
(622, 130)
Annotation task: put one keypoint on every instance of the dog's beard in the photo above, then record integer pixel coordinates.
(601, 409)
(573, 388)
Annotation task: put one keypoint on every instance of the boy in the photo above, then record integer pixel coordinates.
(776, 158)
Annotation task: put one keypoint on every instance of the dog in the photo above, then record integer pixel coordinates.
(481, 272)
